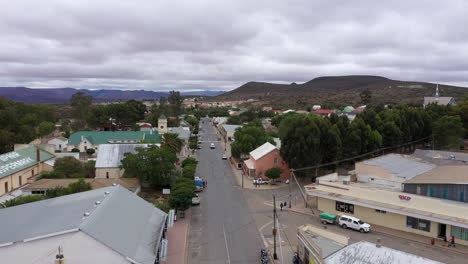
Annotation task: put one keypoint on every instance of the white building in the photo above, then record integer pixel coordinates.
(60, 143)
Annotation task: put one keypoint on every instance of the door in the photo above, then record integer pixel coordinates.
(355, 225)
(442, 230)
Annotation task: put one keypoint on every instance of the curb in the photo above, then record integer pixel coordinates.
(189, 219)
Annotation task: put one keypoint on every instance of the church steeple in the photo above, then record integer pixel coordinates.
(437, 91)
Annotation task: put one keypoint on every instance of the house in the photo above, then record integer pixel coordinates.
(106, 225)
(145, 127)
(438, 100)
(265, 157)
(20, 166)
(316, 107)
(391, 171)
(43, 185)
(162, 125)
(324, 112)
(60, 143)
(227, 131)
(182, 132)
(110, 158)
(84, 140)
(408, 213)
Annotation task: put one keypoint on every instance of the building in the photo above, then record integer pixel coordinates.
(415, 214)
(162, 124)
(445, 182)
(107, 225)
(438, 100)
(227, 131)
(265, 157)
(391, 171)
(324, 112)
(182, 132)
(43, 185)
(145, 126)
(442, 158)
(20, 166)
(84, 140)
(60, 143)
(110, 158)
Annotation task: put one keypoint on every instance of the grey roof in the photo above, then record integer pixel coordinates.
(183, 132)
(439, 100)
(231, 128)
(442, 157)
(133, 232)
(368, 253)
(401, 165)
(111, 155)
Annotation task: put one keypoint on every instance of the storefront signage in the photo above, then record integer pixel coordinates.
(404, 197)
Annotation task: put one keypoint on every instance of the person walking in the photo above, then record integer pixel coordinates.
(281, 206)
(452, 241)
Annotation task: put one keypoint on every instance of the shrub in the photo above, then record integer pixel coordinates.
(75, 150)
(90, 151)
(273, 173)
(21, 200)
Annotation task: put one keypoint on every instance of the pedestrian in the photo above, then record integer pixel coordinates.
(445, 241)
(452, 241)
(281, 206)
(432, 241)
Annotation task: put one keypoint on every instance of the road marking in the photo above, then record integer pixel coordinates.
(261, 233)
(227, 248)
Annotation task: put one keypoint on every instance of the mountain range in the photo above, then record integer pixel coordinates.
(340, 90)
(63, 95)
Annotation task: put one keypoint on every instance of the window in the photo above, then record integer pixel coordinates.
(32, 173)
(107, 174)
(6, 187)
(380, 211)
(38, 192)
(462, 196)
(431, 191)
(275, 161)
(459, 232)
(419, 224)
(344, 207)
(444, 194)
(20, 179)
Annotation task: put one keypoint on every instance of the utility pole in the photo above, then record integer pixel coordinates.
(290, 183)
(242, 174)
(274, 228)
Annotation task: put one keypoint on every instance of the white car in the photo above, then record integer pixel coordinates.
(195, 200)
(224, 157)
(346, 221)
(212, 146)
(260, 181)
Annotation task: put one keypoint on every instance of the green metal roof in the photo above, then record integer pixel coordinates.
(18, 160)
(104, 137)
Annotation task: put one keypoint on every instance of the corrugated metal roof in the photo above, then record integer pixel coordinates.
(403, 166)
(111, 155)
(18, 160)
(183, 132)
(231, 128)
(123, 221)
(366, 253)
(443, 175)
(104, 137)
(262, 150)
(438, 100)
(441, 155)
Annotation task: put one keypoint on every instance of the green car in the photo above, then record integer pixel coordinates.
(327, 218)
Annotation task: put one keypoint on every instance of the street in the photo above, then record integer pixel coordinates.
(222, 228)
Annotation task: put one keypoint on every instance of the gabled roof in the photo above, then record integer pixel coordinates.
(182, 132)
(439, 100)
(133, 232)
(18, 160)
(365, 252)
(111, 155)
(401, 165)
(104, 137)
(231, 128)
(262, 150)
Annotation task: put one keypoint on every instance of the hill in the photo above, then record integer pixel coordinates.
(61, 95)
(341, 90)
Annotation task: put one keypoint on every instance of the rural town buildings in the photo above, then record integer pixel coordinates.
(227, 131)
(43, 185)
(265, 157)
(84, 140)
(110, 157)
(59, 143)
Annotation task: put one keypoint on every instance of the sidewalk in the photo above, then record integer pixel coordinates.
(177, 238)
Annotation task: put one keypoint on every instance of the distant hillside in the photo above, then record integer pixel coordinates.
(61, 95)
(341, 90)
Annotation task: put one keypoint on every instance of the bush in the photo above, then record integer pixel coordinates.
(90, 151)
(75, 150)
(189, 161)
(69, 167)
(189, 171)
(273, 173)
(164, 206)
(51, 175)
(21, 200)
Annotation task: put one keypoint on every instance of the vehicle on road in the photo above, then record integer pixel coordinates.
(346, 221)
(198, 185)
(260, 181)
(224, 157)
(212, 146)
(195, 200)
(287, 181)
(326, 218)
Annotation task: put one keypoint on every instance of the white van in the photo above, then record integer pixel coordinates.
(346, 221)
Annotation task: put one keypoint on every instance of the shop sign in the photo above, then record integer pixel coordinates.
(404, 197)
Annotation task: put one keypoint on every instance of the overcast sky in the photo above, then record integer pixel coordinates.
(219, 45)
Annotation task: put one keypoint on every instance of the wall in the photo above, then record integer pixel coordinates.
(267, 162)
(13, 179)
(113, 172)
(389, 220)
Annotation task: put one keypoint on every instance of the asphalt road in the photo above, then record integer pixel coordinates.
(222, 228)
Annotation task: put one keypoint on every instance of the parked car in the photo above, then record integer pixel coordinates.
(260, 181)
(224, 157)
(326, 218)
(212, 146)
(195, 200)
(346, 221)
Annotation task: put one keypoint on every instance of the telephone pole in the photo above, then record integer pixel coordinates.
(290, 183)
(274, 228)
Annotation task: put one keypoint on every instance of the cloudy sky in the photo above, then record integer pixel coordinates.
(219, 45)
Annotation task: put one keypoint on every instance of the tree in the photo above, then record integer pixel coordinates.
(45, 128)
(153, 165)
(448, 132)
(234, 120)
(90, 151)
(6, 140)
(75, 150)
(69, 167)
(189, 161)
(182, 192)
(189, 171)
(21, 200)
(81, 104)
(172, 141)
(273, 173)
(90, 168)
(249, 138)
(366, 96)
(193, 121)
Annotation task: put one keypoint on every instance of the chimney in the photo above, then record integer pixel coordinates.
(379, 242)
(38, 155)
(82, 137)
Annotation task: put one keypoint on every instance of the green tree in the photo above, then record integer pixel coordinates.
(90, 168)
(234, 120)
(182, 192)
(81, 104)
(365, 96)
(448, 132)
(189, 171)
(21, 200)
(152, 165)
(6, 140)
(189, 161)
(172, 141)
(90, 151)
(249, 138)
(273, 173)
(69, 167)
(45, 128)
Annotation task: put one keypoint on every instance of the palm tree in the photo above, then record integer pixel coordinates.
(172, 141)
